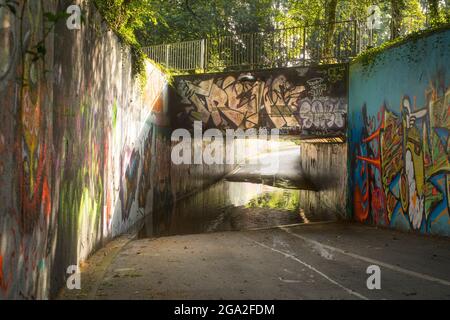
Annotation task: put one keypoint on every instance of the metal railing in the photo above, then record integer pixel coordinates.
(187, 55)
(289, 47)
(280, 48)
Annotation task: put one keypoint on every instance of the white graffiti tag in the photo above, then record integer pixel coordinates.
(322, 114)
(317, 87)
(416, 201)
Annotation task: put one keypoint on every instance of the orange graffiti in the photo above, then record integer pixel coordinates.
(361, 210)
(158, 105)
(1, 271)
(4, 285)
(375, 162)
(46, 202)
(374, 135)
(30, 206)
(108, 207)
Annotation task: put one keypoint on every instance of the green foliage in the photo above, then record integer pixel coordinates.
(138, 64)
(55, 17)
(368, 58)
(125, 17)
(38, 51)
(181, 20)
(439, 13)
(11, 5)
(283, 199)
(147, 22)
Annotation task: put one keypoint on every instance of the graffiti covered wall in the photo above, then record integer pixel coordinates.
(399, 129)
(77, 142)
(307, 100)
(325, 166)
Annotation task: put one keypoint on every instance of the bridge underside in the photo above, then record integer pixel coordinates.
(307, 102)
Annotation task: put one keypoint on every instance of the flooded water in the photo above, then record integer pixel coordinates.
(254, 196)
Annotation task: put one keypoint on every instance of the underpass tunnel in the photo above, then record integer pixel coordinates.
(287, 163)
(86, 150)
(264, 187)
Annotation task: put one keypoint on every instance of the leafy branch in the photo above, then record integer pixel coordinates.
(11, 5)
(38, 51)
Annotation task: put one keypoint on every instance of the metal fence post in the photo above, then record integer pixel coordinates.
(266, 49)
(304, 46)
(202, 54)
(167, 55)
(355, 26)
(252, 45)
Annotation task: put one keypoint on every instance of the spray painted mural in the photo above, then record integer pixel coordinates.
(399, 129)
(84, 151)
(309, 100)
(75, 140)
(27, 211)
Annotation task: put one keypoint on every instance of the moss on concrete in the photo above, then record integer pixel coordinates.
(369, 57)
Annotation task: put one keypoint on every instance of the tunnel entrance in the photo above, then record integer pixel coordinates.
(299, 103)
(265, 194)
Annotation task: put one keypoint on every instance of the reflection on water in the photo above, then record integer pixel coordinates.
(275, 181)
(266, 193)
(228, 206)
(277, 199)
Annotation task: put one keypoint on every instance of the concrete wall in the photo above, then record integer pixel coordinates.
(311, 101)
(76, 142)
(325, 166)
(85, 151)
(399, 122)
(84, 156)
(306, 101)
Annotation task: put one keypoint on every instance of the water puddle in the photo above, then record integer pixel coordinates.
(254, 196)
(229, 206)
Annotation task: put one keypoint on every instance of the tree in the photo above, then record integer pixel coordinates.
(183, 20)
(127, 16)
(433, 9)
(152, 22)
(438, 14)
(330, 14)
(397, 7)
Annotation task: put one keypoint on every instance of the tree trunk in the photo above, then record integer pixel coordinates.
(330, 18)
(396, 12)
(433, 10)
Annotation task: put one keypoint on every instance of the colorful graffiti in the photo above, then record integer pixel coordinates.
(27, 213)
(129, 183)
(310, 100)
(8, 43)
(400, 160)
(145, 183)
(71, 153)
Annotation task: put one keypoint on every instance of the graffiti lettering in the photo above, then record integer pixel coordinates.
(304, 100)
(319, 114)
(8, 40)
(317, 88)
(396, 176)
